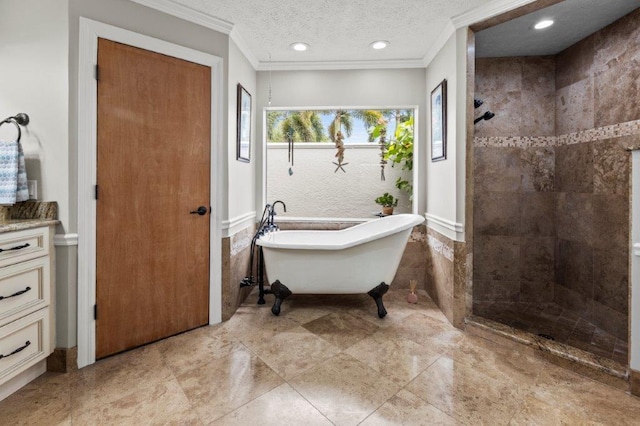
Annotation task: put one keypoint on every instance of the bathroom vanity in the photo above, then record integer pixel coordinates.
(27, 299)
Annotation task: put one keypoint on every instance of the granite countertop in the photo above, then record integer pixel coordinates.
(27, 215)
(20, 224)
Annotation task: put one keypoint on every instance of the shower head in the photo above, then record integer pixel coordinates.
(477, 103)
(486, 116)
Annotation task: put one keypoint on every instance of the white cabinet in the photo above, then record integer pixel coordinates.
(27, 305)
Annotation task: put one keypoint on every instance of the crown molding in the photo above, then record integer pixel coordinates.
(188, 14)
(486, 11)
(445, 34)
(477, 14)
(244, 48)
(339, 65)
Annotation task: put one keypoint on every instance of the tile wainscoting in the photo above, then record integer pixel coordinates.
(446, 275)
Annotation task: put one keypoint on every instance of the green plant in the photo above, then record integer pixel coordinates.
(387, 200)
(399, 150)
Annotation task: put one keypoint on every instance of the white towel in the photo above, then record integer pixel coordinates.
(13, 174)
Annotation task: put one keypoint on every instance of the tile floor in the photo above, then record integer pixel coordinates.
(566, 326)
(325, 360)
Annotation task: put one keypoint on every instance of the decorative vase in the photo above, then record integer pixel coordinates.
(412, 297)
(387, 210)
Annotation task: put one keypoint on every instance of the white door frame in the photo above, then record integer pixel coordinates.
(90, 31)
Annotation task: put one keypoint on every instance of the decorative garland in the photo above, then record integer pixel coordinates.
(340, 154)
(383, 151)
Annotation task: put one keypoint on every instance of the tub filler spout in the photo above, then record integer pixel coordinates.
(348, 261)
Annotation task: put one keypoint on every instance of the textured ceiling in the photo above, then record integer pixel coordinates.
(336, 30)
(574, 20)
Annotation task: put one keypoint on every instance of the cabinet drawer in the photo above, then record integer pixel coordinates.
(23, 245)
(23, 343)
(24, 288)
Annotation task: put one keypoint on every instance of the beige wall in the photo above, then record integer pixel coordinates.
(241, 176)
(34, 56)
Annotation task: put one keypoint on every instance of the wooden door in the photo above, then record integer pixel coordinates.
(152, 260)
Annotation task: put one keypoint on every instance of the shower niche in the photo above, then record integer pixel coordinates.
(551, 215)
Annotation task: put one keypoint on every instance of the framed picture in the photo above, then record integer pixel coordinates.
(244, 125)
(439, 122)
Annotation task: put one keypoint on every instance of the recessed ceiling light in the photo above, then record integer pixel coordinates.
(380, 44)
(543, 24)
(299, 46)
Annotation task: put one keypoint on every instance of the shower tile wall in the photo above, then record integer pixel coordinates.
(514, 203)
(552, 213)
(597, 86)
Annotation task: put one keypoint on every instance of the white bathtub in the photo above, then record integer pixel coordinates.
(353, 260)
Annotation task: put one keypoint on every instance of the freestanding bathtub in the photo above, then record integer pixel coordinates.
(360, 259)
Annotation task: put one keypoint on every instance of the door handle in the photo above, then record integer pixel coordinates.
(202, 210)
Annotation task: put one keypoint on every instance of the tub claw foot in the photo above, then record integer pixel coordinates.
(377, 293)
(281, 292)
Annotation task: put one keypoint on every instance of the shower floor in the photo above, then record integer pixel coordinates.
(552, 320)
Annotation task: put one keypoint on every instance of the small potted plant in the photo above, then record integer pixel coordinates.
(388, 202)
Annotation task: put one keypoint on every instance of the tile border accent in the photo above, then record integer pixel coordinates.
(628, 128)
(440, 247)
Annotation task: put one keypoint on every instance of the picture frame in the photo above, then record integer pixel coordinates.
(243, 131)
(439, 122)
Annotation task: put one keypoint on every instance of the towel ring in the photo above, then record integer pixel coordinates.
(15, 123)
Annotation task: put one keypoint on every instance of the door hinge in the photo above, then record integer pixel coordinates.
(95, 312)
(96, 73)
(95, 192)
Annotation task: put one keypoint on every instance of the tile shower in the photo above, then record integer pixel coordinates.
(551, 189)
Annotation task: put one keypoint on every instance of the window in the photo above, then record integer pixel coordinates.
(319, 172)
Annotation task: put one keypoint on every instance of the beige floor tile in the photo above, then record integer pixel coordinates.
(601, 403)
(218, 388)
(46, 400)
(400, 359)
(105, 380)
(253, 325)
(497, 360)
(467, 393)
(341, 303)
(261, 369)
(396, 303)
(425, 330)
(344, 389)
(341, 329)
(195, 348)
(304, 308)
(281, 406)
(163, 403)
(292, 352)
(537, 413)
(405, 408)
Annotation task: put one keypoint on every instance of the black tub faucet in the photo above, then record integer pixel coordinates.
(272, 213)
